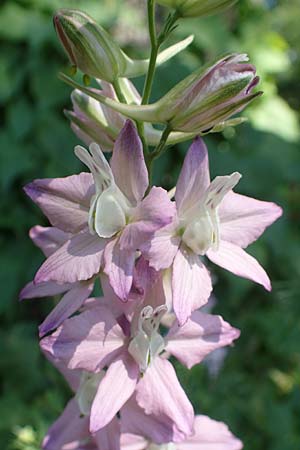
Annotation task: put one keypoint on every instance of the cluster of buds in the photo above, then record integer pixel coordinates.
(148, 251)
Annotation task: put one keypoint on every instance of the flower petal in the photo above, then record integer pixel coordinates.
(199, 336)
(68, 305)
(108, 438)
(210, 435)
(65, 201)
(119, 266)
(161, 250)
(88, 341)
(153, 213)
(243, 219)
(77, 260)
(128, 164)
(69, 428)
(236, 260)
(46, 289)
(48, 239)
(159, 393)
(194, 177)
(191, 284)
(114, 390)
(155, 428)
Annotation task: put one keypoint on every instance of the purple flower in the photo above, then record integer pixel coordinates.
(211, 220)
(95, 340)
(105, 213)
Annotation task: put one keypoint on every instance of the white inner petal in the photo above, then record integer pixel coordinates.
(201, 225)
(146, 342)
(169, 446)
(109, 207)
(85, 395)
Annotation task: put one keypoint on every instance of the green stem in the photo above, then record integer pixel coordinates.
(161, 147)
(118, 90)
(154, 52)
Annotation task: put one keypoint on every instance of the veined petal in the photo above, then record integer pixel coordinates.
(114, 390)
(46, 289)
(210, 435)
(194, 177)
(199, 336)
(89, 341)
(119, 266)
(156, 428)
(108, 438)
(77, 260)
(68, 305)
(65, 201)
(70, 428)
(153, 213)
(161, 250)
(159, 393)
(133, 442)
(128, 164)
(236, 260)
(48, 239)
(191, 284)
(243, 219)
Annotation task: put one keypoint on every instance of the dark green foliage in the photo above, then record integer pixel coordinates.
(257, 392)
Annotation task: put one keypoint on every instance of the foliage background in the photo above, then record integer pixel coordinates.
(257, 390)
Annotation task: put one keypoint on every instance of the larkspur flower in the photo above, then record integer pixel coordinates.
(211, 220)
(94, 340)
(105, 213)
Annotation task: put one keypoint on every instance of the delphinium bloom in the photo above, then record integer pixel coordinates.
(131, 352)
(211, 220)
(105, 212)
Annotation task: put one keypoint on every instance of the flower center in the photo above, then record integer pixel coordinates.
(109, 207)
(146, 342)
(85, 395)
(202, 230)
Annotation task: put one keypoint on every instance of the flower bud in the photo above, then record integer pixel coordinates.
(200, 103)
(193, 8)
(208, 97)
(91, 49)
(88, 46)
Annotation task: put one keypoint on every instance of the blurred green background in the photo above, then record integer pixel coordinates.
(257, 390)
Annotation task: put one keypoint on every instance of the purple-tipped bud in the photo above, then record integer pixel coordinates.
(88, 46)
(206, 98)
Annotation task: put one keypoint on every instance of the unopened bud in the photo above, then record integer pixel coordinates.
(91, 49)
(196, 8)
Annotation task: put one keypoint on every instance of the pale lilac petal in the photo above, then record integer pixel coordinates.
(156, 428)
(119, 266)
(114, 390)
(65, 201)
(48, 239)
(243, 219)
(108, 438)
(113, 301)
(68, 305)
(88, 341)
(194, 177)
(160, 393)
(191, 284)
(68, 429)
(153, 213)
(236, 260)
(210, 435)
(77, 260)
(128, 164)
(162, 248)
(73, 377)
(46, 289)
(199, 336)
